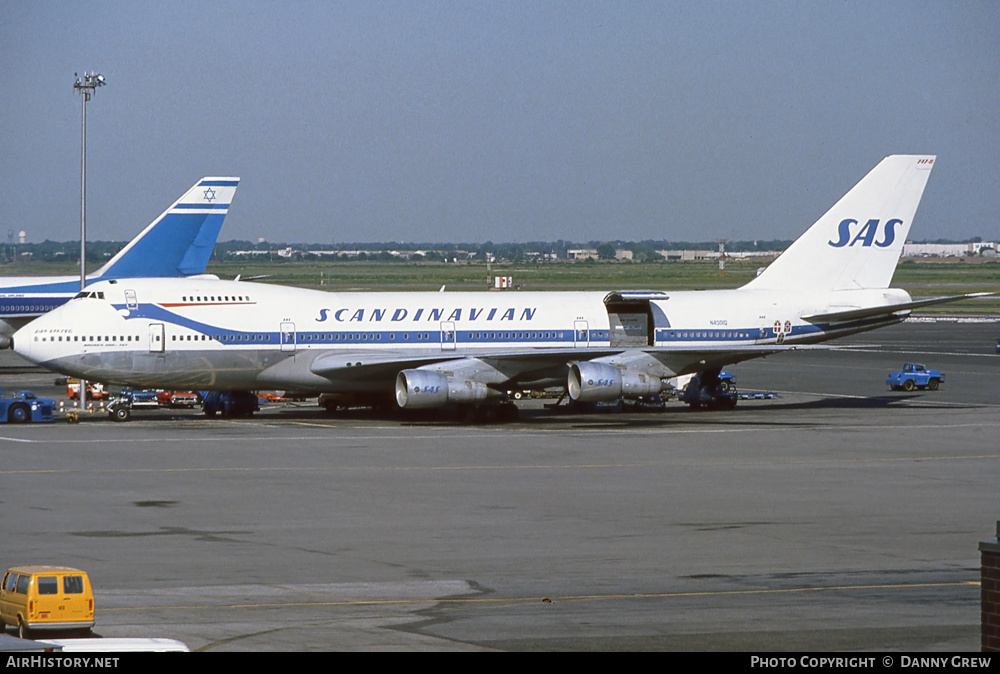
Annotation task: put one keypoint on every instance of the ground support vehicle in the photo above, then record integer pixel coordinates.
(230, 403)
(914, 375)
(177, 398)
(20, 407)
(654, 403)
(758, 395)
(121, 405)
(118, 645)
(614, 405)
(36, 598)
(95, 390)
(645, 404)
(142, 397)
(711, 390)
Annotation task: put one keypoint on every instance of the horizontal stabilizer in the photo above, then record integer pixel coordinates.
(887, 310)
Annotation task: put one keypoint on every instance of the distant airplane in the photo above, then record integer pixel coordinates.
(422, 350)
(178, 243)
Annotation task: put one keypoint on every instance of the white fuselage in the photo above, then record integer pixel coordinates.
(219, 335)
(432, 349)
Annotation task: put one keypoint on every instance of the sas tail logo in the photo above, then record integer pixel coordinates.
(866, 235)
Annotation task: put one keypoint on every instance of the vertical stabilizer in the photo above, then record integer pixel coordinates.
(180, 241)
(857, 243)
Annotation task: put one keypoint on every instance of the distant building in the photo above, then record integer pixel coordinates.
(949, 249)
(689, 255)
(582, 254)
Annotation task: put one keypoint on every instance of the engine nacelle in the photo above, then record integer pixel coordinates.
(595, 382)
(423, 389)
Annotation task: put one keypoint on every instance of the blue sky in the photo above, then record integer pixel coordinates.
(502, 121)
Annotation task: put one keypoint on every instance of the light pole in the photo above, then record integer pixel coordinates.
(86, 85)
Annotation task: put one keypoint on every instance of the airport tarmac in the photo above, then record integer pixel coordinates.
(839, 516)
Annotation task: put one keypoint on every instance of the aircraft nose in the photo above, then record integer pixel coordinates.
(21, 343)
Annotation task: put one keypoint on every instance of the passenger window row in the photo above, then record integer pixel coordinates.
(77, 338)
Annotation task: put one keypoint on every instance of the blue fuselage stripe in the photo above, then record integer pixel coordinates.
(460, 336)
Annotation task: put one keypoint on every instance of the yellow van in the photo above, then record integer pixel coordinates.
(46, 598)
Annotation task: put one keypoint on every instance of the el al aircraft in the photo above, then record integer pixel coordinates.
(178, 243)
(426, 350)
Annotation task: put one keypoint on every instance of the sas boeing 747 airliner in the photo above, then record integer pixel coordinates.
(178, 243)
(427, 350)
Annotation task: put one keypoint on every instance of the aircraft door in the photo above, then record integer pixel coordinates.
(449, 336)
(287, 332)
(631, 321)
(763, 328)
(581, 334)
(156, 339)
(130, 301)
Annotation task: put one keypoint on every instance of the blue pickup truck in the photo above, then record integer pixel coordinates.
(915, 375)
(20, 407)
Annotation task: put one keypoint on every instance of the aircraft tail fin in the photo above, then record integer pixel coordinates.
(857, 243)
(180, 241)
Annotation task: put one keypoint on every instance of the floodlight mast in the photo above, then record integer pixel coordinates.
(86, 85)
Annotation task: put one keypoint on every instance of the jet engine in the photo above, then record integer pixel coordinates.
(423, 389)
(594, 382)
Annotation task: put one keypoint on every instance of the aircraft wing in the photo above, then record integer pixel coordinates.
(887, 310)
(501, 367)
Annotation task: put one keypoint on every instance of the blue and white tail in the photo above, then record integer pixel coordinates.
(857, 243)
(180, 241)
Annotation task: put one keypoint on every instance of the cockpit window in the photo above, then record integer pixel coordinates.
(89, 294)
